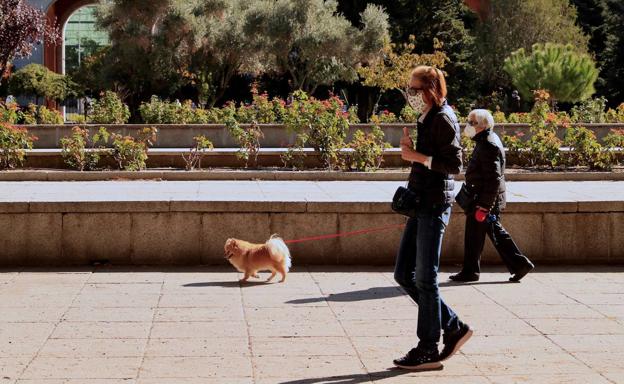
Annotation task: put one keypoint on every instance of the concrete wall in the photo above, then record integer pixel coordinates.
(191, 232)
(275, 135)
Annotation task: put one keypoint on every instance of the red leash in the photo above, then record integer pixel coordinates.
(362, 231)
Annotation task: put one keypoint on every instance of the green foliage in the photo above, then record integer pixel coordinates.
(109, 109)
(9, 113)
(14, 141)
(314, 44)
(585, 150)
(164, 112)
(519, 118)
(384, 117)
(248, 139)
(567, 75)
(467, 145)
(514, 24)
(366, 150)
(38, 81)
(81, 151)
(197, 152)
(408, 115)
(615, 115)
(612, 58)
(590, 111)
(131, 153)
(34, 114)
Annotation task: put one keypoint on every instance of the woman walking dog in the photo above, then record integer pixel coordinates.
(435, 160)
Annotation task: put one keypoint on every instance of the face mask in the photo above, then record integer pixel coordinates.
(470, 131)
(417, 103)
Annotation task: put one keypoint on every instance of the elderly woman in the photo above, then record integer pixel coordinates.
(485, 181)
(436, 158)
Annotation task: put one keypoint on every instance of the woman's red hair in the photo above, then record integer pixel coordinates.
(432, 83)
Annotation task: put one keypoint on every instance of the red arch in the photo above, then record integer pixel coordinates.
(58, 13)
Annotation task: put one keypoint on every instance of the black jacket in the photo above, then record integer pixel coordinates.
(438, 137)
(485, 174)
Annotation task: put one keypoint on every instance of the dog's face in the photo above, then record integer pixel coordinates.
(231, 248)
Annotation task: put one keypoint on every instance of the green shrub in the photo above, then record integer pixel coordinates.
(615, 115)
(131, 153)
(9, 113)
(519, 118)
(40, 114)
(14, 141)
(384, 117)
(590, 111)
(467, 145)
(248, 139)
(109, 109)
(81, 151)
(164, 112)
(516, 148)
(366, 150)
(197, 152)
(408, 115)
(585, 150)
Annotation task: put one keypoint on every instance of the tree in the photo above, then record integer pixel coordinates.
(392, 71)
(38, 81)
(612, 58)
(566, 74)
(148, 52)
(21, 27)
(514, 24)
(312, 43)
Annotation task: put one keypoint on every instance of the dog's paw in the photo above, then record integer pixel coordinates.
(256, 276)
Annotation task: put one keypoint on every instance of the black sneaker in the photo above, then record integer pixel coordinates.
(522, 272)
(454, 341)
(419, 360)
(464, 277)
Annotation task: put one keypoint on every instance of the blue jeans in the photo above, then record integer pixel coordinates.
(416, 271)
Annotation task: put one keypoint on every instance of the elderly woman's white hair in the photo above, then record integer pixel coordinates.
(483, 117)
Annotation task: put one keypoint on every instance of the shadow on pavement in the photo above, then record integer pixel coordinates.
(365, 294)
(457, 284)
(351, 379)
(225, 284)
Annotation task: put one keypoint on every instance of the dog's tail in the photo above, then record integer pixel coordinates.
(278, 247)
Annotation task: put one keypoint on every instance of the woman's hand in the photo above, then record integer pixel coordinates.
(407, 149)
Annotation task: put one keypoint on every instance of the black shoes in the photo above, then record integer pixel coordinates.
(454, 341)
(465, 277)
(522, 272)
(419, 360)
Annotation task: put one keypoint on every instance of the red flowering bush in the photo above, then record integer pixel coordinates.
(14, 141)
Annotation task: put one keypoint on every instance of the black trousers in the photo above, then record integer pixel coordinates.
(474, 239)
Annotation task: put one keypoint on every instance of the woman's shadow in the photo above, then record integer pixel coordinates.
(351, 379)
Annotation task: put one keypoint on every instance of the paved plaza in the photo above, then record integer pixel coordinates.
(324, 325)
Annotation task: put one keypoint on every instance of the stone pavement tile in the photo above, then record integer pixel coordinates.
(140, 314)
(191, 300)
(203, 380)
(484, 326)
(286, 328)
(293, 314)
(306, 366)
(198, 347)
(577, 326)
(381, 365)
(553, 311)
(389, 296)
(598, 298)
(601, 361)
(121, 288)
(125, 276)
(52, 276)
(383, 346)
(569, 378)
(464, 295)
(196, 367)
(30, 314)
(82, 368)
(590, 343)
(378, 311)
(12, 367)
(612, 311)
(20, 346)
(32, 331)
(36, 301)
(26, 289)
(616, 377)
(441, 379)
(519, 296)
(520, 345)
(302, 346)
(597, 287)
(76, 381)
(361, 378)
(518, 364)
(115, 301)
(379, 327)
(467, 312)
(101, 330)
(66, 348)
(206, 329)
(199, 314)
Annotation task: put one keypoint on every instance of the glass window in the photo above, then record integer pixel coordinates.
(82, 38)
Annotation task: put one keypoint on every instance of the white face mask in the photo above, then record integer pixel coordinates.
(470, 131)
(417, 103)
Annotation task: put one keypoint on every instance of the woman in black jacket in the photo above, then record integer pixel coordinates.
(435, 160)
(485, 181)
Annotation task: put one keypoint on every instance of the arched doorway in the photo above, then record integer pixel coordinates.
(81, 38)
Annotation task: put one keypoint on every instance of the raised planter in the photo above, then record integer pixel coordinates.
(275, 135)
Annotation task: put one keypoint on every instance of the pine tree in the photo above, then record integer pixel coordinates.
(612, 58)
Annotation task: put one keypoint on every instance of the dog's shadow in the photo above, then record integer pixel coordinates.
(226, 284)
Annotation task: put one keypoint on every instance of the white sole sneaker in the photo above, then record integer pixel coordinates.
(433, 366)
(460, 343)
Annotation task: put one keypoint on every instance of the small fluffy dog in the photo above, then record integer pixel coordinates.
(250, 258)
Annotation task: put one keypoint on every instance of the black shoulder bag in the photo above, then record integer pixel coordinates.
(405, 202)
(465, 198)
